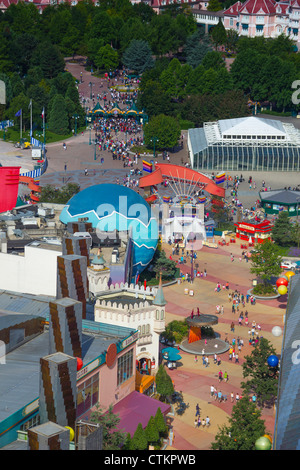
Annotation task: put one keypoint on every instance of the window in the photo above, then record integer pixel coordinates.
(162, 315)
(31, 423)
(231, 22)
(125, 367)
(87, 394)
(157, 314)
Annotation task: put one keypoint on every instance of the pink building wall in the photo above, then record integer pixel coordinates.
(110, 392)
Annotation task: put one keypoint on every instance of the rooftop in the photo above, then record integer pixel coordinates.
(281, 196)
(20, 375)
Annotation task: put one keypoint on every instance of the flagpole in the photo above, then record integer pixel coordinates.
(30, 104)
(44, 128)
(21, 126)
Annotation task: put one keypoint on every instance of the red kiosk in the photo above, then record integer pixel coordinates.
(258, 231)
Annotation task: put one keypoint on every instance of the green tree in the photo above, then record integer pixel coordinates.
(139, 440)
(261, 378)
(102, 27)
(213, 60)
(266, 262)
(134, 28)
(296, 233)
(107, 58)
(138, 56)
(70, 42)
(218, 33)
(165, 128)
(19, 102)
(282, 230)
(59, 196)
(176, 331)
(196, 47)
(214, 5)
(112, 437)
(49, 58)
(164, 265)
(127, 443)
(58, 119)
(232, 38)
(151, 432)
(153, 99)
(244, 427)
(164, 385)
(174, 79)
(160, 422)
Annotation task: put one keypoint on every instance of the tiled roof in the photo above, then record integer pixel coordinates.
(234, 9)
(253, 7)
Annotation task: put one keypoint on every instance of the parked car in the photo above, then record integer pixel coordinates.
(288, 265)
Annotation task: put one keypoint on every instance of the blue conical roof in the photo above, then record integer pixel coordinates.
(160, 298)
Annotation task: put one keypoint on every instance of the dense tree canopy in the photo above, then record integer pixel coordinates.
(180, 64)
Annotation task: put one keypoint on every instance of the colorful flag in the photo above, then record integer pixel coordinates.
(166, 198)
(147, 166)
(18, 113)
(43, 113)
(202, 199)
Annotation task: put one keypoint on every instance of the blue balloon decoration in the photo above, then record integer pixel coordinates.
(273, 361)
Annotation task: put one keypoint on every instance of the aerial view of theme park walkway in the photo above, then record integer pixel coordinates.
(191, 377)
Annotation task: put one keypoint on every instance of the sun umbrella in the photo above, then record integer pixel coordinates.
(171, 354)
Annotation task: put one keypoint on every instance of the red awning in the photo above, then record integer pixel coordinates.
(151, 180)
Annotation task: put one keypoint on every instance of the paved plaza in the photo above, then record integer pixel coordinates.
(193, 378)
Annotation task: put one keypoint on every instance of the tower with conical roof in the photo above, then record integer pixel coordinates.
(159, 299)
(98, 274)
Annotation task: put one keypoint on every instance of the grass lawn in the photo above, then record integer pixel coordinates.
(13, 135)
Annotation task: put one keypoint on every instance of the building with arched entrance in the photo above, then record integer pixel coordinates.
(140, 309)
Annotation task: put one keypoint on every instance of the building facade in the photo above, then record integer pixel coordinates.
(266, 18)
(140, 309)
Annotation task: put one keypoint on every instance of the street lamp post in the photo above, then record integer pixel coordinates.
(154, 140)
(95, 144)
(76, 116)
(90, 140)
(91, 86)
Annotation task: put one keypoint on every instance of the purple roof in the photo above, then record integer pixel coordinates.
(137, 408)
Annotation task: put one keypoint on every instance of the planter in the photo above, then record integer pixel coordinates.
(264, 297)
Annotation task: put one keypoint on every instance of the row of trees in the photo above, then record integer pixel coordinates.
(50, 88)
(245, 424)
(114, 439)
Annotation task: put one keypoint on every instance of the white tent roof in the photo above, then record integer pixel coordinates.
(251, 126)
